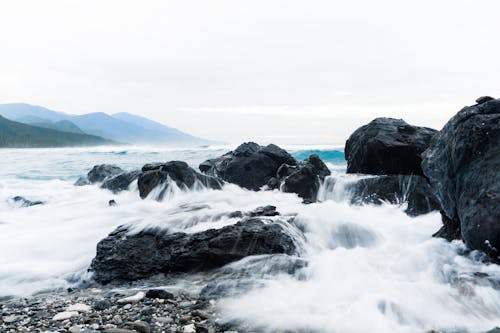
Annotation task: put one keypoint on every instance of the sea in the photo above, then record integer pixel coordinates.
(369, 268)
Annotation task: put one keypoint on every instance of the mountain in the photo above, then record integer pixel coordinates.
(122, 127)
(61, 125)
(18, 135)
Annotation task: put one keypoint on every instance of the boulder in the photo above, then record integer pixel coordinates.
(102, 171)
(305, 178)
(120, 182)
(462, 164)
(395, 189)
(179, 172)
(250, 165)
(123, 256)
(387, 146)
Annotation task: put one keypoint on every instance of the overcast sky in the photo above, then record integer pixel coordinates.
(281, 71)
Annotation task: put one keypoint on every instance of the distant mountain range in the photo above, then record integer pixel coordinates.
(14, 134)
(119, 127)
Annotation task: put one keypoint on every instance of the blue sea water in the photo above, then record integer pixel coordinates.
(369, 262)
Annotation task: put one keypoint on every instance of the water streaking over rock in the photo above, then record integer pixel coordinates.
(352, 261)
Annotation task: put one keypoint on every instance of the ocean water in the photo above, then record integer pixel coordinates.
(369, 268)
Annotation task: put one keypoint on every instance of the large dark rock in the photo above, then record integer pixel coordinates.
(179, 172)
(102, 171)
(121, 256)
(250, 166)
(396, 189)
(387, 146)
(120, 182)
(305, 178)
(462, 164)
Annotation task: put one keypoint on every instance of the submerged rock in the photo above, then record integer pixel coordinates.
(250, 165)
(387, 146)
(121, 256)
(399, 189)
(25, 202)
(462, 164)
(305, 178)
(179, 172)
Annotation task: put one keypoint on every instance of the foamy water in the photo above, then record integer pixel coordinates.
(370, 268)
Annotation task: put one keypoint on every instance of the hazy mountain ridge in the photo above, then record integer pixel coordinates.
(122, 127)
(18, 135)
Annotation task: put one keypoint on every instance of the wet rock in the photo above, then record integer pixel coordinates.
(23, 202)
(413, 190)
(305, 178)
(263, 211)
(177, 171)
(103, 171)
(112, 203)
(120, 182)
(189, 328)
(462, 164)
(387, 146)
(82, 181)
(450, 229)
(123, 256)
(79, 307)
(159, 294)
(140, 326)
(250, 165)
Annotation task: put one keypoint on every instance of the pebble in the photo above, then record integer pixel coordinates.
(102, 304)
(65, 315)
(79, 307)
(189, 329)
(132, 299)
(10, 319)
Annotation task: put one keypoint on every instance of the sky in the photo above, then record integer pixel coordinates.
(296, 72)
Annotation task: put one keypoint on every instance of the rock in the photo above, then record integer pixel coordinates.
(120, 182)
(102, 304)
(261, 211)
(189, 328)
(179, 172)
(112, 203)
(82, 181)
(462, 164)
(159, 294)
(140, 326)
(413, 190)
(305, 178)
(132, 299)
(25, 202)
(103, 171)
(118, 330)
(10, 319)
(65, 315)
(387, 146)
(484, 99)
(450, 229)
(123, 256)
(79, 307)
(250, 165)
(494, 330)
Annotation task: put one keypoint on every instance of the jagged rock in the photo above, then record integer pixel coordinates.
(484, 99)
(102, 171)
(387, 146)
(179, 172)
(25, 202)
(82, 181)
(123, 256)
(250, 165)
(159, 293)
(120, 182)
(414, 190)
(305, 178)
(462, 164)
